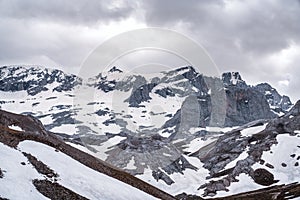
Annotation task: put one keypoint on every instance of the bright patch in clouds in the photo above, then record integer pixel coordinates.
(285, 57)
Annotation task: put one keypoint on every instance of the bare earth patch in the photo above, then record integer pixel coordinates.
(55, 191)
(40, 166)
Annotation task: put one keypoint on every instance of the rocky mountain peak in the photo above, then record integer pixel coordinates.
(233, 78)
(278, 103)
(115, 69)
(35, 79)
(185, 68)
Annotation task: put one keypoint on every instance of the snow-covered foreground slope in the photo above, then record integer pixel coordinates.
(77, 177)
(19, 173)
(17, 178)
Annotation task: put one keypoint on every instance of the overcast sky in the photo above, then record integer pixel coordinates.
(258, 38)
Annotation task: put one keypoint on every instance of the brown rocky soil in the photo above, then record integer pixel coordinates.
(40, 166)
(55, 191)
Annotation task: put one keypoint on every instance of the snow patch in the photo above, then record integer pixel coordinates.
(16, 128)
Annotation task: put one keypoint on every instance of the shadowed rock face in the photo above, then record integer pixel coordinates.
(232, 100)
(141, 94)
(276, 101)
(245, 104)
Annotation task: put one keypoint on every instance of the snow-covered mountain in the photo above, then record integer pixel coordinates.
(177, 130)
(35, 79)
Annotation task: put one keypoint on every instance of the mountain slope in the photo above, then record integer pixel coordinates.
(59, 167)
(178, 130)
(66, 161)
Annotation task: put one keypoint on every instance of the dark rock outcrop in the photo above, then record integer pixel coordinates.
(245, 104)
(279, 192)
(230, 145)
(40, 166)
(263, 177)
(277, 102)
(55, 191)
(160, 175)
(1, 174)
(34, 80)
(233, 78)
(165, 92)
(115, 69)
(141, 94)
(178, 166)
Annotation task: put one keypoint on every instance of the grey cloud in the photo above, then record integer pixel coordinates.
(69, 11)
(55, 30)
(259, 26)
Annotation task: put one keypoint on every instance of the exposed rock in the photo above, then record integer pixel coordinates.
(63, 117)
(159, 175)
(286, 123)
(276, 101)
(131, 82)
(279, 192)
(29, 123)
(197, 80)
(269, 166)
(102, 112)
(1, 174)
(55, 191)
(143, 144)
(165, 92)
(263, 177)
(141, 94)
(185, 196)
(40, 166)
(115, 69)
(233, 78)
(245, 104)
(283, 165)
(105, 85)
(178, 166)
(15, 78)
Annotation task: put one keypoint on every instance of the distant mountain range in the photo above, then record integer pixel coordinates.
(178, 130)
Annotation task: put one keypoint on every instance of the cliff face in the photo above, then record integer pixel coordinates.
(245, 104)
